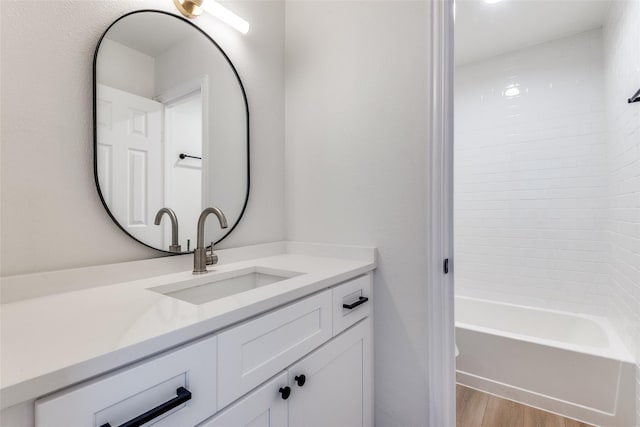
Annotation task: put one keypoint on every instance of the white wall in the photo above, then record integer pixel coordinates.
(530, 177)
(52, 217)
(356, 160)
(622, 77)
(136, 77)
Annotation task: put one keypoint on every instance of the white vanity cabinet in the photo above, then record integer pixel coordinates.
(337, 389)
(329, 387)
(308, 363)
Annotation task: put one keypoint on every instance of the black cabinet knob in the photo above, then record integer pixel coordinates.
(285, 392)
(300, 379)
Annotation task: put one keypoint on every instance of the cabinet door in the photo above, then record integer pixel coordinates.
(263, 407)
(337, 390)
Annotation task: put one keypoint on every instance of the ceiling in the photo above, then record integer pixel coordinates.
(140, 33)
(484, 30)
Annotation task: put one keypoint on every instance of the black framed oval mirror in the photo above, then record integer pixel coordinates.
(171, 129)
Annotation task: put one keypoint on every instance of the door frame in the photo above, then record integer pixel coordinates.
(440, 287)
(171, 96)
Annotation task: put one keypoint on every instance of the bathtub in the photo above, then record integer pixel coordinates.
(570, 364)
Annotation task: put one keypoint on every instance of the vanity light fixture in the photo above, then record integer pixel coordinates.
(193, 8)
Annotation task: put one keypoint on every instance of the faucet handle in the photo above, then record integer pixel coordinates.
(211, 257)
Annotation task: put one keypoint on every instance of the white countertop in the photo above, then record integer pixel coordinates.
(53, 341)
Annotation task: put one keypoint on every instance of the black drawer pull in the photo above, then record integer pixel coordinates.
(361, 300)
(182, 396)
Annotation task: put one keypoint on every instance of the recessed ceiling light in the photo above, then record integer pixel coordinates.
(512, 91)
(492, 1)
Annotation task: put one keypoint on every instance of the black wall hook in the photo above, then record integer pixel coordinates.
(635, 97)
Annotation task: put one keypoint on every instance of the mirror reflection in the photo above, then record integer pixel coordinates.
(171, 130)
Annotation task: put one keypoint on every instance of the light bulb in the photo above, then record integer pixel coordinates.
(225, 15)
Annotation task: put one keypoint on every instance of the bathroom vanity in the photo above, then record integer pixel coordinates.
(272, 335)
(279, 339)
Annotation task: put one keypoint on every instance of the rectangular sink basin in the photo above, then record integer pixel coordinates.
(223, 284)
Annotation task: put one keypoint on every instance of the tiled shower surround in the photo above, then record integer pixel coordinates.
(530, 177)
(547, 195)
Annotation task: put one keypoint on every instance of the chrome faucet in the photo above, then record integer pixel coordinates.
(175, 247)
(200, 256)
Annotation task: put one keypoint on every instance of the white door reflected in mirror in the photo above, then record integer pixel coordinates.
(130, 149)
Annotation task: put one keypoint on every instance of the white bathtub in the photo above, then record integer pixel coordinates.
(571, 364)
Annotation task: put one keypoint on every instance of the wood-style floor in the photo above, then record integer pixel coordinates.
(477, 409)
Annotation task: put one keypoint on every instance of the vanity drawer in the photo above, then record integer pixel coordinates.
(117, 398)
(254, 351)
(356, 296)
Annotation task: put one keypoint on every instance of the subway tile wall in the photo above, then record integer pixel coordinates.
(622, 79)
(531, 177)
